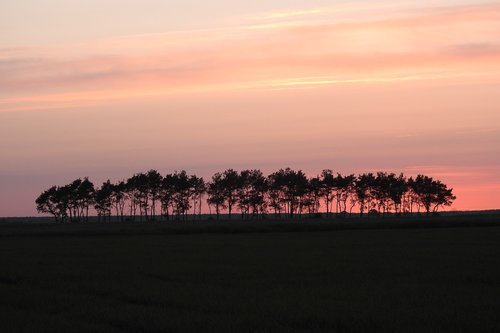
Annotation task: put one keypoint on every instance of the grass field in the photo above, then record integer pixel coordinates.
(371, 280)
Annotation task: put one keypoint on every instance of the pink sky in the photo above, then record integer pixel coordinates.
(353, 86)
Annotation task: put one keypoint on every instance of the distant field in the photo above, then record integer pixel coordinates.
(44, 226)
(150, 278)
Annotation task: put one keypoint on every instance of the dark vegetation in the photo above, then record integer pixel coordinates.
(286, 193)
(45, 226)
(221, 276)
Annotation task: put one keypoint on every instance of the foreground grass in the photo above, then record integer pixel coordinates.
(402, 280)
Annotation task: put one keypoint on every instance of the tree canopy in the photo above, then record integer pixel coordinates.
(286, 192)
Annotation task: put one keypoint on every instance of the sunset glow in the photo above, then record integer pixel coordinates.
(354, 86)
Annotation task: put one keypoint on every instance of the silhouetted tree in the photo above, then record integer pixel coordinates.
(380, 192)
(329, 186)
(181, 200)
(133, 196)
(285, 190)
(230, 184)
(49, 202)
(443, 196)
(275, 193)
(363, 192)
(432, 194)
(143, 194)
(410, 199)
(118, 199)
(291, 186)
(154, 187)
(86, 194)
(314, 193)
(198, 190)
(104, 201)
(167, 191)
(243, 193)
(251, 193)
(344, 190)
(258, 188)
(216, 195)
(71, 195)
(398, 187)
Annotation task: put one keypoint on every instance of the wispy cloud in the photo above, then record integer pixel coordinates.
(355, 11)
(264, 52)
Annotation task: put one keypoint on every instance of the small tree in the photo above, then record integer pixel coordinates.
(49, 202)
(432, 194)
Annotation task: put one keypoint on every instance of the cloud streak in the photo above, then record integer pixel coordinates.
(409, 45)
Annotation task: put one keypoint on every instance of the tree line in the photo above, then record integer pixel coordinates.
(285, 193)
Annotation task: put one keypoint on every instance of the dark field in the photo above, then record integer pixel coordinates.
(87, 278)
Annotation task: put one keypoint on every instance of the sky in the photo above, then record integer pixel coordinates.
(106, 89)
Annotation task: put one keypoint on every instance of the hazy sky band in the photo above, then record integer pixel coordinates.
(105, 90)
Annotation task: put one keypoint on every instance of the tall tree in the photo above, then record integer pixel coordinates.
(380, 192)
(143, 194)
(182, 192)
(167, 191)
(86, 193)
(275, 194)
(257, 192)
(104, 201)
(251, 192)
(73, 200)
(314, 193)
(231, 184)
(363, 192)
(216, 195)
(344, 186)
(398, 187)
(329, 187)
(243, 193)
(133, 195)
(198, 189)
(154, 186)
(118, 199)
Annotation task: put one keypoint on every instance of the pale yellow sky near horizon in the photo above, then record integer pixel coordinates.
(105, 90)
